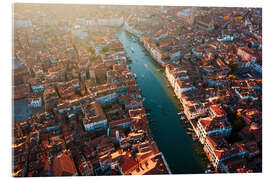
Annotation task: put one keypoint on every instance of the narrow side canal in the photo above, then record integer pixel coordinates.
(169, 134)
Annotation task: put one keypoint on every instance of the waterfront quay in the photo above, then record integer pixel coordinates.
(166, 126)
(220, 94)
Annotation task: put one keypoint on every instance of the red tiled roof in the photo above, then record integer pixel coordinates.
(46, 164)
(103, 158)
(227, 152)
(235, 163)
(214, 144)
(119, 122)
(136, 112)
(251, 147)
(63, 165)
(127, 164)
(210, 124)
(217, 109)
(206, 123)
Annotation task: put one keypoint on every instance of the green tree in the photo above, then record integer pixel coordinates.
(44, 68)
(216, 26)
(238, 123)
(73, 66)
(232, 77)
(233, 67)
(105, 49)
(91, 50)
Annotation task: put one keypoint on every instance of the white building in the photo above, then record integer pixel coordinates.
(194, 110)
(37, 88)
(107, 98)
(212, 126)
(35, 102)
(95, 125)
(95, 118)
(218, 151)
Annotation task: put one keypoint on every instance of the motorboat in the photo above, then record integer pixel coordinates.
(180, 113)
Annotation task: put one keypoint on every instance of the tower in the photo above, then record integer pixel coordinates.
(117, 135)
(192, 15)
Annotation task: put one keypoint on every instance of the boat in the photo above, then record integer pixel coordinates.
(190, 133)
(194, 137)
(148, 109)
(129, 61)
(186, 122)
(164, 111)
(183, 118)
(180, 106)
(132, 50)
(180, 113)
(155, 102)
(208, 171)
(190, 129)
(151, 121)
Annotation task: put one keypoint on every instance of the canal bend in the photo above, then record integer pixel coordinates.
(170, 136)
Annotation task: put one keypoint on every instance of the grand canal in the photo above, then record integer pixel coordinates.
(180, 151)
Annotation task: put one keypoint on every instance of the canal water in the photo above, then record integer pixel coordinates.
(179, 150)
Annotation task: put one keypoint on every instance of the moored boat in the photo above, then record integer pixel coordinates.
(180, 113)
(194, 137)
(148, 109)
